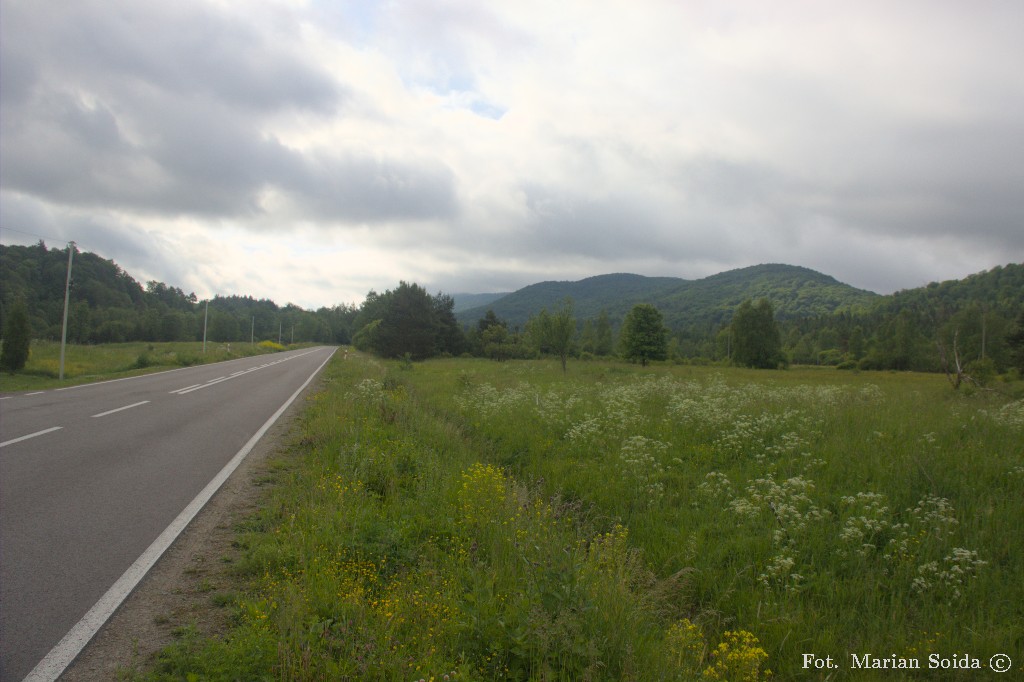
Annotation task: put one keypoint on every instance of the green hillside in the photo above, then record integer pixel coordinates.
(469, 301)
(107, 305)
(686, 304)
(822, 320)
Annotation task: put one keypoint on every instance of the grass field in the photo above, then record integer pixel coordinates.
(83, 364)
(473, 520)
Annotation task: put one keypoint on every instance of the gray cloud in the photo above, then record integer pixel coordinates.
(490, 146)
(361, 188)
(183, 48)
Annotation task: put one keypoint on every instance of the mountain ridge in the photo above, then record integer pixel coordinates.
(794, 291)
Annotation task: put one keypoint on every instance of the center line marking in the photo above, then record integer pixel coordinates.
(126, 407)
(31, 435)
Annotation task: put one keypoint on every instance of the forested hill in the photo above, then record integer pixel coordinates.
(703, 304)
(822, 320)
(108, 305)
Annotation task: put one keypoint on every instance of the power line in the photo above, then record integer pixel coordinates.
(33, 234)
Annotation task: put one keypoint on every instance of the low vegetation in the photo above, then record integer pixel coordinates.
(473, 520)
(83, 364)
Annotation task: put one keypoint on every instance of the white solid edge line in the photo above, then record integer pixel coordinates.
(68, 648)
(31, 435)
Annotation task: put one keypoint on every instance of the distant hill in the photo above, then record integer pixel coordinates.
(686, 304)
(822, 320)
(469, 301)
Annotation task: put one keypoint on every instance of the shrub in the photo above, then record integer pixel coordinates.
(270, 345)
(17, 338)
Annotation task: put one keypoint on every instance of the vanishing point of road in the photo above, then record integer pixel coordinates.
(96, 480)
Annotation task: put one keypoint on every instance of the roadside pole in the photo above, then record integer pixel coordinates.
(67, 296)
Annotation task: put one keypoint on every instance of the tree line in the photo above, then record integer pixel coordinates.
(975, 323)
(409, 322)
(106, 305)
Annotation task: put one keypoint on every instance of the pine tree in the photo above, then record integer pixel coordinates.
(408, 324)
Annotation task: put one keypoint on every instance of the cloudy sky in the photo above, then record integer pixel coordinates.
(309, 151)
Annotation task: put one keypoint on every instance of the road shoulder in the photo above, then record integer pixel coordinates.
(181, 589)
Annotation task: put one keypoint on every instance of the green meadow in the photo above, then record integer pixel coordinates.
(85, 363)
(474, 520)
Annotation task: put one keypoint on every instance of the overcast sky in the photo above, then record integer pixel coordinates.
(309, 151)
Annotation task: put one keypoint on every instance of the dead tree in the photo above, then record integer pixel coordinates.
(957, 378)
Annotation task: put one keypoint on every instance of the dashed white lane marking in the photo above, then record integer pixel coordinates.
(31, 435)
(120, 409)
(54, 663)
(219, 380)
(36, 393)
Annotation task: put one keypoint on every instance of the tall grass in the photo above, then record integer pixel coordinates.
(110, 360)
(505, 521)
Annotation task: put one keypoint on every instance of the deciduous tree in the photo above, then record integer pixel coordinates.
(756, 338)
(554, 332)
(644, 336)
(17, 338)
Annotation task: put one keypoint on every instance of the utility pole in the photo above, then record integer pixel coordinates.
(206, 316)
(252, 332)
(280, 326)
(67, 297)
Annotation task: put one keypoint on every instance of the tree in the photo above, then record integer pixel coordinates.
(450, 338)
(1015, 340)
(554, 332)
(17, 338)
(644, 336)
(408, 324)
(856, 343)
(756, 339)
(603, 334)
(493, 336)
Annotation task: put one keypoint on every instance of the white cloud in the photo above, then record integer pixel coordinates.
(308, 152)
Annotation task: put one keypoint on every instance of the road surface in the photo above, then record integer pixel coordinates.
(91, 476)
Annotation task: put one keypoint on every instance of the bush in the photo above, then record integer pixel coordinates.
(144, 360)
(270, 345)
(17, 338)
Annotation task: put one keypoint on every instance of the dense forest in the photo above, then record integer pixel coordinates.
(108, 306)
(977, 321)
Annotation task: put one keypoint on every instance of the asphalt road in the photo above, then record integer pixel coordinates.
(91, 475)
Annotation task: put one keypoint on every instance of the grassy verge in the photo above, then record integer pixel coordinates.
(479, 520)
(83, 364)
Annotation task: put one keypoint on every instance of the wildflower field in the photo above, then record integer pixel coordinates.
(472, 520)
